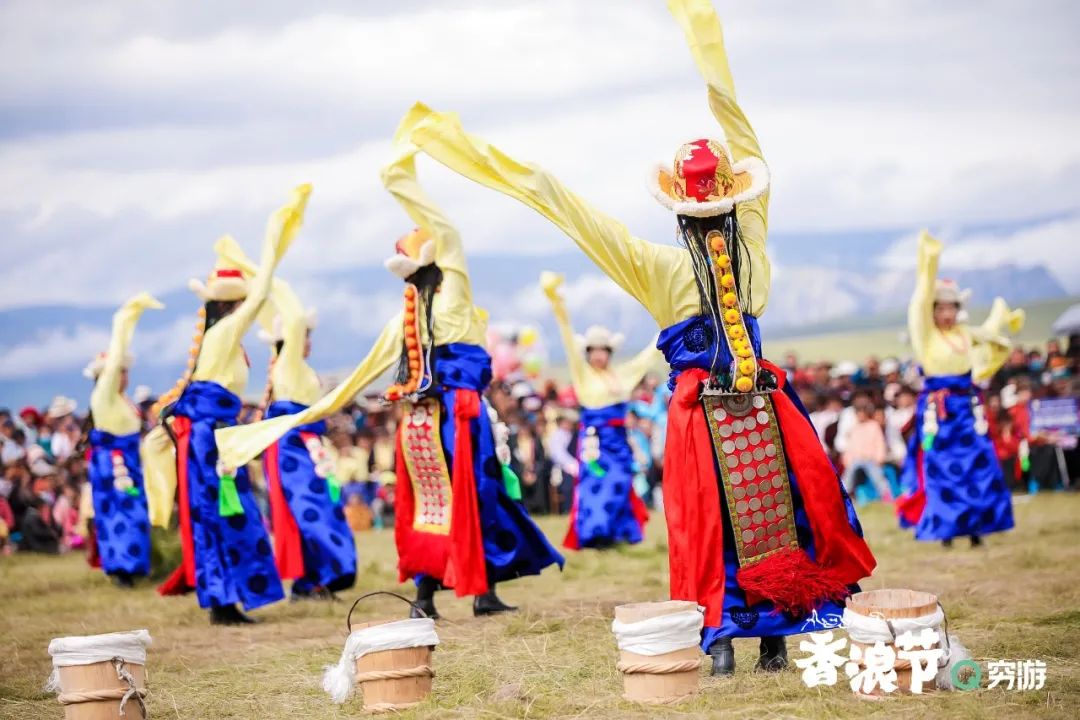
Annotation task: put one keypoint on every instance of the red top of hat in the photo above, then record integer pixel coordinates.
(699, 170)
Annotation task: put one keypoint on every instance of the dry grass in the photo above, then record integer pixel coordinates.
(1017, 598)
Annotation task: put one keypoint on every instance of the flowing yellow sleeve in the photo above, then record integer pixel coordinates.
(399, 178)
(293, 378)
(550, 283)
(222, 340)
(239, 445)
(657, 276)
(158, 455)
(991, 346)
(921, 307)
(705, 36)
(632, 371)
(111, 412)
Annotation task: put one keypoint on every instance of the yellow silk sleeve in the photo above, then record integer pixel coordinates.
(632, 371)
(158, 455)
(112, 412)
(991, 346)
(239, 445)
(921, 307)
(550, 283)
(657, 276)
(705, 37)
(399, 178)
(292, 378)
(221, 356)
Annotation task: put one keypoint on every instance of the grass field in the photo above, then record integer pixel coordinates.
(1017, 598)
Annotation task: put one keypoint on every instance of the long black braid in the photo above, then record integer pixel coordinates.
(427, 281)
(694, 233)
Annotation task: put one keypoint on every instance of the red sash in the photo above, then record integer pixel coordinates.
(695, 519)
(466, 569)
(288, 552)
(183, 578)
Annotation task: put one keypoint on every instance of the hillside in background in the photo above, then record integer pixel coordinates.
(833, 296)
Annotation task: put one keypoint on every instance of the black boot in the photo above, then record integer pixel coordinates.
(489, 603)
(229, 615)
(123, 580)
(976, 541)
(947, 544)
(773, 654)
(723, 657)
(425, 599)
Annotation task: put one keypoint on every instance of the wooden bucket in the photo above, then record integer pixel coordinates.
(94, 692)
(658, 679)
(392, 680)
(892, 604)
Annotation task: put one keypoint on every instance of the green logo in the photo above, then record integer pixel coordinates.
(966, 675)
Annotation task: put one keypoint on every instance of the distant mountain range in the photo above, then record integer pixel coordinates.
(830, 282)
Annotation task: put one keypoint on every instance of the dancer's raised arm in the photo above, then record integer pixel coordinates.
(921, 307)
(550, 283)
(642, 269)
(704, 34)
(216, 355)
(399, 178)
(290, 367)
(105, 398)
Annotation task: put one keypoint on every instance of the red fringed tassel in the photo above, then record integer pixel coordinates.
(793, 582)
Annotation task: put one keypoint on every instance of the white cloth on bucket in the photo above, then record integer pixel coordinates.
(67, 651)
(870, 630)
(339, 680)
(661, 634)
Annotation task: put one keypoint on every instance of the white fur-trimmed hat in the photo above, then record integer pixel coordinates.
(225, 284)
(276, 333)
(414, 251)
(703, 182)
(948, 291)
(94, 367)
(598, 336)
(61, 406)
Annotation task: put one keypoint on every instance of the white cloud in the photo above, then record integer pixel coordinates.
(131, 138)
(1051, 244)
(52, 349)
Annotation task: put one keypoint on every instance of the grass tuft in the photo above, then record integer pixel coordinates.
(1016, 598)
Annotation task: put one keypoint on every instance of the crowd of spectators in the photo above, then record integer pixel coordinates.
(862, 413)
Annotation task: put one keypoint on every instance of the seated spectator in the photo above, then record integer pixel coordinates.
(865, 450)
(36, 527)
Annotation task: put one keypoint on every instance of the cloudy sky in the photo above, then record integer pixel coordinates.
(132, 134)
